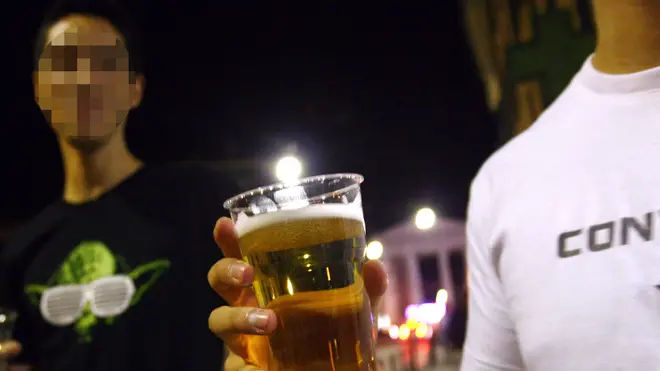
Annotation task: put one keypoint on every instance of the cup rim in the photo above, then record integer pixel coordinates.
(282, 185)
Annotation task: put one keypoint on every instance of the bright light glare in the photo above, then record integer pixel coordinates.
(384, 322)
(425, 218)
(374, 250)
(289, 286)
(412, 323)
(394, 332)
(288, 169)
(411, 311)
(429, 332)
(429, 313)
(441, 297)
(421, 330)
(404, 332)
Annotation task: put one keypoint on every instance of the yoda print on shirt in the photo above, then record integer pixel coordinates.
(92, 284)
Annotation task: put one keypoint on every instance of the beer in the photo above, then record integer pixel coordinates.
(308, 265)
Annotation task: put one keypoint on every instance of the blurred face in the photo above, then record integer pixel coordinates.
(83, 84)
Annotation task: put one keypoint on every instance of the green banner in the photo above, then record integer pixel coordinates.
(527, 51)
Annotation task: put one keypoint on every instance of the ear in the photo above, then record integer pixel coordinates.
(137, 91)
(145, 276)
(34, 293)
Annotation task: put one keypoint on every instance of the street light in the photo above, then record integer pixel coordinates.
(374, 250)
(288, 169)
(441, 297)
(425, 218)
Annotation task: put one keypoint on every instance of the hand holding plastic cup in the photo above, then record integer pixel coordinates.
(306, 243)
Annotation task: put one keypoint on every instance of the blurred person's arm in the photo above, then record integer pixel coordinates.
(491, 343)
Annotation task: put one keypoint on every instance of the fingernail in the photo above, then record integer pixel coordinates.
(258, 319)
(237, 272)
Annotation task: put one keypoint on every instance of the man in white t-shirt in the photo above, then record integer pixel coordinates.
(564, 221)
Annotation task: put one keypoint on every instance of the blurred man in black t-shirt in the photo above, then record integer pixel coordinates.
(112, 276)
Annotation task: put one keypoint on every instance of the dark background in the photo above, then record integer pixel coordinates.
(388, 91)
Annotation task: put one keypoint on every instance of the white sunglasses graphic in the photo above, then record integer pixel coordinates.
(107, 297)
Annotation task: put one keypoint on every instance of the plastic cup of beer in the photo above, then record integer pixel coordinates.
(306, 242)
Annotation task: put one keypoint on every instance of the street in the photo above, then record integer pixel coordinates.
(401, 350)
(443, 368)
(450, 362)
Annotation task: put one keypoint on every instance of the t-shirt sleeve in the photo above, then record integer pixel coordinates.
(491, 341)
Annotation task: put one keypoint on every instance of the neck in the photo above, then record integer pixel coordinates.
(628, 35)
(89, 175)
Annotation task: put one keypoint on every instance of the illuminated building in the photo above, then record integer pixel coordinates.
(419, 264)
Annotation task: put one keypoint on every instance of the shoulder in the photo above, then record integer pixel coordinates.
(207, 186)
(35, 229)
(539, 145)
(179, 187)
(197, 176)
(192, 194)
(527, 157)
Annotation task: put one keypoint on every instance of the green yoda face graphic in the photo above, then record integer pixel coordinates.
(93, 284)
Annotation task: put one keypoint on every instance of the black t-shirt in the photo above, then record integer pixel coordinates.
(120, 283)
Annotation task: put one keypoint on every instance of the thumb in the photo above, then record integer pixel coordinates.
(375, 280)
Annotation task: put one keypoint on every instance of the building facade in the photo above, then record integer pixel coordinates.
(421, 262)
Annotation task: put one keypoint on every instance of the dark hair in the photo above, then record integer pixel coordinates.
(105, 9)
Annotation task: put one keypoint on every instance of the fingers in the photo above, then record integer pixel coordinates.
(225, 236)
(230, 278)
(236, 363)
(231, 324)
(227, 321)
(9, 349)
(250, 368)
(375, 280)
(230, 273)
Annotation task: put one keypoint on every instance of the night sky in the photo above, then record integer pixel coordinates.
(389, 92)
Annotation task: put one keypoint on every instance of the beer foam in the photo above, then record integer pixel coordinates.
(246, 224)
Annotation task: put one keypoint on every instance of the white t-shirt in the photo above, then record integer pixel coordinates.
(564, 235)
